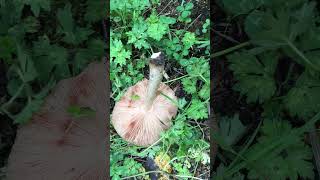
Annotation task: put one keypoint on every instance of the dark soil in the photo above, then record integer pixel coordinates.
(7, 128)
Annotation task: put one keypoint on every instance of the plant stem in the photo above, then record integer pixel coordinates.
(229, 50)
(181, 77)
(14, 96)
(299, 53)
(155, 78)
(276, 144)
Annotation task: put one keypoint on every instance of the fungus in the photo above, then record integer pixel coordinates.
(56, 145)
(146, 109)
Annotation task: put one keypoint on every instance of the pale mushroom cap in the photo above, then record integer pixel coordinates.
(137, 125)
(43, 150)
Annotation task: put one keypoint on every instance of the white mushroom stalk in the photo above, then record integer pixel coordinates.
(156, 66)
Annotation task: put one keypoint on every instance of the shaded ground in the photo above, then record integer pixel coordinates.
(7, 128)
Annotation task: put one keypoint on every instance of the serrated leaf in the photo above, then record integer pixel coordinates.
(255, 78)
(72, 34)
(158, 26)
(303, 100)
(267, 29)
(197, 110)
(204, 93)
(287, 160)
(138, 36)
(189, 85)
(118, 52)
(189, 40)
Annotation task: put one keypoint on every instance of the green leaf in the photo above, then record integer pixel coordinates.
(254, 76)
(31, 24)
(7, 48)
(27, 112)
(267, 29)
(138, 36)
(310, 40)
(96, 10)
(237, 7)
(204, 93)
(197, 110)
(303, 100)
(189, 85)
(231, 129)
(158, 27)
(27, 65)
(47, 57)
(287, 160)
(303, 19)
(36, 5)
(135, 97)
(188, 6)
(13, 86)
(189, 40)
(79, 112)
(118, 52)
(72, 34)
(65, 18)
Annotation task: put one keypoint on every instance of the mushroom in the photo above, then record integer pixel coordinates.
(56, 145)
(146, 109)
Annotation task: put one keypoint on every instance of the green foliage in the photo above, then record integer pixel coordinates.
(291, 161)
(129, 167)
(303, 99)
(278, 32)
(72, 34)
(36, 57)
(255, 78)
(96, 10)
(185, 12)
(78, 112)
(36, 5)
(158, 26)
(240, 7)
(231, 129)
(279, 73)
(137, 31)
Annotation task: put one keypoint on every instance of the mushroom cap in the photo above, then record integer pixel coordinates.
(137, 125)
(44, 150)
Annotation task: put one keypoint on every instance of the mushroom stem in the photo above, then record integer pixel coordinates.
(156, 67)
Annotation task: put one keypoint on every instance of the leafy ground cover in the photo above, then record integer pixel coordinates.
(42, 42)
(266, 88)
(180, 29)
